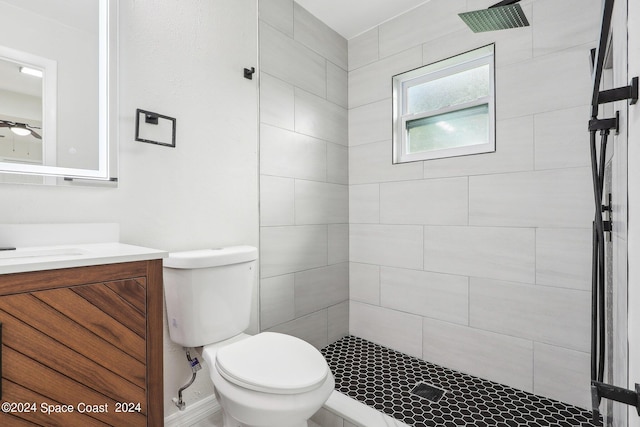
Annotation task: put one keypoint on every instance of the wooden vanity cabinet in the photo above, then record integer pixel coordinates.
(83, 346)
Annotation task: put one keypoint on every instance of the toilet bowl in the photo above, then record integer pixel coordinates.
(263, 380)
(268, 380)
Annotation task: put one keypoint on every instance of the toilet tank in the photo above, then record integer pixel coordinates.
(208, 293)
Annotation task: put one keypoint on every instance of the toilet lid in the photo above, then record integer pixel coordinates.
(273, 363)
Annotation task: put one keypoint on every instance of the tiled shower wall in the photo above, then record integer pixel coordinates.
(304, 212)
(479, 263)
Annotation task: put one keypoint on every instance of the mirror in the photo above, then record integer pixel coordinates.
(57, 90)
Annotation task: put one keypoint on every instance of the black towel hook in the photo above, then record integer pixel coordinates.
(248, 73)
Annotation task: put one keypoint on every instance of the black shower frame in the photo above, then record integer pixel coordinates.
(599, 389)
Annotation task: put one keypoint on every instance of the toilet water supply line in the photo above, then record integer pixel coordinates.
(599, 389)
(195, 367)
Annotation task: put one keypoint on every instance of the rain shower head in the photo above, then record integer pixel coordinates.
(501, 16)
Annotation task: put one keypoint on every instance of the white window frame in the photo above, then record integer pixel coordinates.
(457, 64)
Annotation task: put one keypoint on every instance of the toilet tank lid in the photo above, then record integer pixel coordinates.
(204, 258)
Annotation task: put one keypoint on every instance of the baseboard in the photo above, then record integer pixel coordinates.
(193, 414)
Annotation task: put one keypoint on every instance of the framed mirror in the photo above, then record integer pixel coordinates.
(58, 89)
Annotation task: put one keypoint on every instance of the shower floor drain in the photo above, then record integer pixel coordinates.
(427, 391)
(397, 385)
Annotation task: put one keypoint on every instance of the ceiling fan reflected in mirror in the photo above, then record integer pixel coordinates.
(21, 129)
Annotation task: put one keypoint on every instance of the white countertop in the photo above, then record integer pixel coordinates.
(39, 258)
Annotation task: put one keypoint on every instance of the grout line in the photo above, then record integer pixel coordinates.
(469, 301)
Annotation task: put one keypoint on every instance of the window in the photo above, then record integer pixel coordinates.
(445, 109)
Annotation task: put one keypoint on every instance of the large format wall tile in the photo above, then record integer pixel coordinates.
(390, 328)
(278, 14)
(373, 82)
(551, 315)
(363, 49)
(434, 201)
(370, 123)
(364, 204)
(507, 360)
(364, 283)
(551, 198)
(523, 219)
(337, 85)
(514, 153)
(312, 328)
(552, 31)
(320, 288)
(338, 243)
(316, 35)
(337, 163)
(562, 374)
(276, 300)
(371, 163)
(276, 102)
(304, 235)
(392, 245)
(292, 62)
(561, 140)
(338, 321)
(276, 201)
(491, 252)
(289, 154)
(321, 203)
(317, 117)
(286, 249)
(563, 257)
(532, 87)
(426, 22)
(436, 295)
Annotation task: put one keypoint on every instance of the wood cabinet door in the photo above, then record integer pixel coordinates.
(75, 356)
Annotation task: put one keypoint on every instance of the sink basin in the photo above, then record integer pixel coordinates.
(41, 253)
(38, 258)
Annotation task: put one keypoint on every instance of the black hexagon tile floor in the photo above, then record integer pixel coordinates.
(422, 394)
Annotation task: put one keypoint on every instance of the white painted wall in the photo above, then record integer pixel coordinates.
(634, 210)
(185, 60)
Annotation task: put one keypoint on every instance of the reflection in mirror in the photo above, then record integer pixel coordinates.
(54, 121)
(22, 111)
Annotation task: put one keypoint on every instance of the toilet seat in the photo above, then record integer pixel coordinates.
(272, 363)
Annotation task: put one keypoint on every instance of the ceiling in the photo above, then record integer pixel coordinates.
(80, 14)
(353, 17)
(12, 80)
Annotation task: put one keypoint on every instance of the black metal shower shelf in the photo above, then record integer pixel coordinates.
(620, 94)
(628, 397)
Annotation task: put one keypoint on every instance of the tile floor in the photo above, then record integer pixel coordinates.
(383, 379)
(215, 420)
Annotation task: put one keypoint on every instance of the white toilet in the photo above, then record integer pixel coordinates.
(264, 380)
